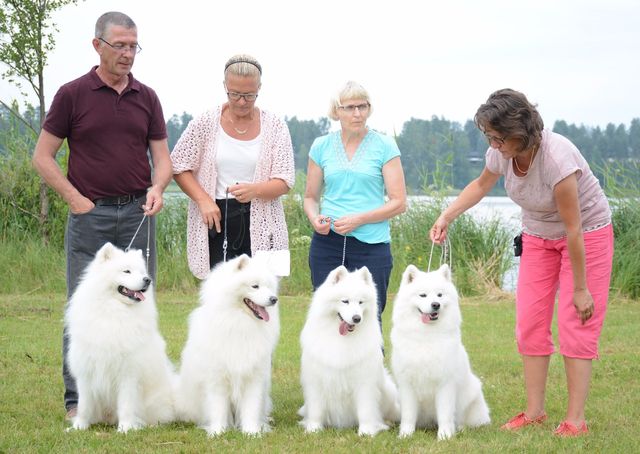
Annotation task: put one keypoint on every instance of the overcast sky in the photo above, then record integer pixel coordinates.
(579, 60)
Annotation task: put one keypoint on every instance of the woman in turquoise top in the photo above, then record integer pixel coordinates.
(348, 173)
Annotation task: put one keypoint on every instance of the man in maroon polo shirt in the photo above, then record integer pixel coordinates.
(114, 126)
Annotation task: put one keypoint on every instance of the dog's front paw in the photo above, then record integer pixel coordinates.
(252, 430)
(371, 429)
(126, 426)
(78, 424)
(406, 431)
(213, 430)
(446, 432)
(312, 427)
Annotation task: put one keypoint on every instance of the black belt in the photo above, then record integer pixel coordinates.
(119, 199)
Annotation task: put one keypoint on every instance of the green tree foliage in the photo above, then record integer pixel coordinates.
(26, 39)
(303, 133)
(437, 154)
(176, 126)
(20, 185)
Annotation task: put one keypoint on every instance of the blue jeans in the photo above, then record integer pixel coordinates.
(325, 254)
(85, 234)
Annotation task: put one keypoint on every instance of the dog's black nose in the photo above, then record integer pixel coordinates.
(147, 282)
(273, 300)
(356, 319)
(435, 306)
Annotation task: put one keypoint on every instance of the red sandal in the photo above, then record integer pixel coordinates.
(566, 429)
(521, 420)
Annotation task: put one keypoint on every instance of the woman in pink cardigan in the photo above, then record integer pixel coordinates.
(236, 159)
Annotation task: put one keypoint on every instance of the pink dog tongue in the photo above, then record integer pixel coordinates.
(425, 318)
(262, 311)
(139, 295)
(344, 328)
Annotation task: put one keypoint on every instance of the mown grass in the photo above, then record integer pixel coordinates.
(32, 415)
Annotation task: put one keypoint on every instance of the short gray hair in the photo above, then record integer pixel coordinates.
(110, 19)
(243, 65)
(351, 90)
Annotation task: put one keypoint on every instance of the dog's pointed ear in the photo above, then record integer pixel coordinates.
(446, 272)
(106, 252)
(337, 275)
(410, 274)
(241, 262)
(365, 274)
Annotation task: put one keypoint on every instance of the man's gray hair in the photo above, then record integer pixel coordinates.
(110, 19)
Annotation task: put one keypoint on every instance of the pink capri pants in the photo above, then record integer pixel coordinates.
(544, 268)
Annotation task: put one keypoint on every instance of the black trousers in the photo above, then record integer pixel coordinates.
(238, 237)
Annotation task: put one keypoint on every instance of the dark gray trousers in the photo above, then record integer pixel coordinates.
(85, 234)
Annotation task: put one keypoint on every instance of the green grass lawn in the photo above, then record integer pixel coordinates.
(32, 414)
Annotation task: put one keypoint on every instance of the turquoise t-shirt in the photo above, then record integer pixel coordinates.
(355, 186)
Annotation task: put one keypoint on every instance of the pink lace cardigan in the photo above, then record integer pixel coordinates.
(196, 151)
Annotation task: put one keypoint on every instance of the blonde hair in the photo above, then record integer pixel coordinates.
(243, 65)
(351, 90)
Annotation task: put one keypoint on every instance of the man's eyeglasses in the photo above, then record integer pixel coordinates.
(122, 48)
(499, 140)
(249, 97)
(352, 108)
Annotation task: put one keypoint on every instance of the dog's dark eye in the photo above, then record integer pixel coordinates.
(255, 286)
(439, 295)
(345, 301)
(127, 271)
(361, 302)
(423, 295)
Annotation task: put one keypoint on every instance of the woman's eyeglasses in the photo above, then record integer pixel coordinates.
(352, 108)
(499, 140)
(249, 97)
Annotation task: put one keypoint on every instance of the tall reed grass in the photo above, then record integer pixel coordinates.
(480, 251)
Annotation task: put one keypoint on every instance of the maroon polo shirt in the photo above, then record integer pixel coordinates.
(108, 134)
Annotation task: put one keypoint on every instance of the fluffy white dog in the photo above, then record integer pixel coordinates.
(429, 362)
(116, 352)
(225, 376)
(343, 377)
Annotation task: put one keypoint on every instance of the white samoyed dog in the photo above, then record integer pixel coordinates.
(116, 352)
(429, 362)
(344, 381)
(225, 376)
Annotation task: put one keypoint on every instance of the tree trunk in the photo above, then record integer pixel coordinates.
(44, 194)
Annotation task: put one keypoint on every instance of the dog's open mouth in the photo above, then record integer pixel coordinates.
(429, 316)
(259, 311)
(345, 327)
(135, 295)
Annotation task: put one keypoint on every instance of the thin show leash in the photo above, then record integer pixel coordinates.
(446, 253)
(344, 243)
(224, 241)
(144, 216)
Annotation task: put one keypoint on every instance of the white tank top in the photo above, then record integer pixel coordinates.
(235, 161)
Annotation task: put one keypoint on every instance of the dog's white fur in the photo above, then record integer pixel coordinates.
(343, 377)
(116, 352)
(429, 362)
(225, 376)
